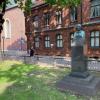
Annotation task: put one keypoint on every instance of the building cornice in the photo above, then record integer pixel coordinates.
(68, 27)
(37, 6)
(91, 23)
(15, 6)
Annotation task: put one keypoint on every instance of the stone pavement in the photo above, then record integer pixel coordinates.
(56, 61)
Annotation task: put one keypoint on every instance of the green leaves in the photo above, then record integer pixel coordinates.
(26, 5)
(64, 3)
(52, 2)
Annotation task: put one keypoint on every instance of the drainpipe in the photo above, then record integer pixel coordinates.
(81, 13)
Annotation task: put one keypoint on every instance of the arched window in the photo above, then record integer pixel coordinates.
(59, 41)
(47, 41)
(7, 29)
(73, 14)
(46, 19)
(59, 17)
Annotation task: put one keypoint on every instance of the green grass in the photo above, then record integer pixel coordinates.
(20, 81)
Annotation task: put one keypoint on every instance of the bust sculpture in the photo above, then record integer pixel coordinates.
(79, 36)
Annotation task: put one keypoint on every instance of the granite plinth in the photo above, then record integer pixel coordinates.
(83, 86)
(80, 74)
(79, 63)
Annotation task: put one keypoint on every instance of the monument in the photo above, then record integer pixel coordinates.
(79, 80)
(79, 60)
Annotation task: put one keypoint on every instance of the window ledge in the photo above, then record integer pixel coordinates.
(72, 22)
(47, 47)
(59, 25)
(7, 37)
(59, 47)
(97, 17)
(95, 47)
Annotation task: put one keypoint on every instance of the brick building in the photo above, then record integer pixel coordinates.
(50, 29)
(13, 37)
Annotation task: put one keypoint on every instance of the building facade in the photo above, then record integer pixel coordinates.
(13, 37)
(50, 29)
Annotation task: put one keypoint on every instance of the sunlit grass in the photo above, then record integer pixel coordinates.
(20, 81)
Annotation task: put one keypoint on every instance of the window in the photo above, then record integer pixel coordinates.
(47, 41)
(7, 28)
(46, 19)
(71, 37)
(73, 14)
(36, 21)
(59, 17)
(95, 39)
(95, 8)
(37, 42)
(59, 41)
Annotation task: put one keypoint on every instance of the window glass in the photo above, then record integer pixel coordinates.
(97, 33)
(59, 17)
(36, 21)
(95, 8)
(72, 37)
(92, 42)
(37, 42)
(73, 14)
(97, 42)
(59, 40)
(95, 39)
(47, 41)
(46, 19)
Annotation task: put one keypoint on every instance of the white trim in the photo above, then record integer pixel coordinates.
(7, 34)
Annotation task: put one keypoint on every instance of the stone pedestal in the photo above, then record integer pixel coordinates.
(79, 80)
(84, 86)
(78, 63)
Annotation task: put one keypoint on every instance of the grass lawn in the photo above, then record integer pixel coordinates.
(19, 81)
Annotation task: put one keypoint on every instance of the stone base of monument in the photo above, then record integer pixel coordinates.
(84, 86)
(80, 74)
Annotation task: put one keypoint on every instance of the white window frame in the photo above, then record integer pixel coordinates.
(47, 42)
(95, 39)
(73, 14)
(6, 33)
(46, 19)
(95, 9)
(59, 41)
(36, 21)
(37, 42)
(71, 39)
(59, 17)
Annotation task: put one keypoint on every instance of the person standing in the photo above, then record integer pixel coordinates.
(31, 52)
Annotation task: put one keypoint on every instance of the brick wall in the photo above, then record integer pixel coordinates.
(89, 24)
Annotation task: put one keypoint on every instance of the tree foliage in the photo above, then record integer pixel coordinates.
(26, 5)
(64, 3)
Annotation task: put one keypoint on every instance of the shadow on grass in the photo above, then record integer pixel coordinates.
(30, 82)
